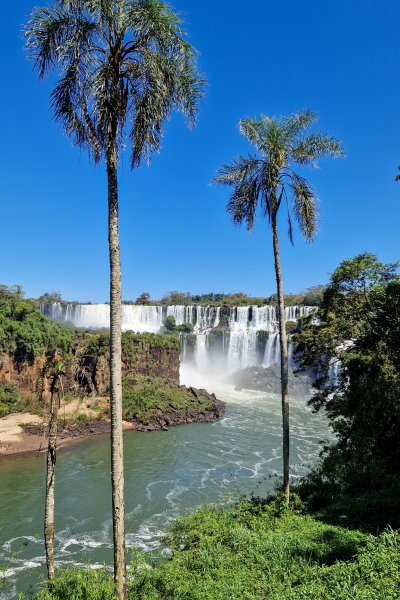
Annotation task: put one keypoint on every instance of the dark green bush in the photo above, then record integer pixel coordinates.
(170, 323)
(358, 481)
(24, 331)
(9, 399)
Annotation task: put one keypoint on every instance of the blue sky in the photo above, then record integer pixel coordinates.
(338, 58)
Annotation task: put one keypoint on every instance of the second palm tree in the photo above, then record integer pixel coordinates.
(266, 181)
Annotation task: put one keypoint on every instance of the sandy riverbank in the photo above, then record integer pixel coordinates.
(25, 432)
(22, 433)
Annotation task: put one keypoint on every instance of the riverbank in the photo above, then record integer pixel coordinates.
(25, 432)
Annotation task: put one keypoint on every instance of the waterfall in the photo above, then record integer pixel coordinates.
(227, 339)
(201, 353)
(272, 351)
(243, 339)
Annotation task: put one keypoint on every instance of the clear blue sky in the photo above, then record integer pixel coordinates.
(339, 58)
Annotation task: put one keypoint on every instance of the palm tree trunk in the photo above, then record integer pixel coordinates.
(50, 480)
(117, 452)
(284, 360)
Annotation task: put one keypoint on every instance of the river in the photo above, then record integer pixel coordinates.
(167, 474)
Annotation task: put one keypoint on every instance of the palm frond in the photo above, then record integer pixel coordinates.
(124, 65)
(242, 204)
(254, 132)
(268, 176)
(154, 91)
(241, 169)
(289, 218)
(269, 182)
(156, 21)
(46, 31)
(304, 206)
(296, 123)
(244, 175)
(150, 111)
(314, 146)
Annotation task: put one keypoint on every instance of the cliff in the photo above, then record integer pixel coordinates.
(86, 370)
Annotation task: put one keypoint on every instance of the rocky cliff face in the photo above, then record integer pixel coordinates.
(86, 370)
(25, 375)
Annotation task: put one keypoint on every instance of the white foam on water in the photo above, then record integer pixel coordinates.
(7, 546)
(28, 564)
(153, 484)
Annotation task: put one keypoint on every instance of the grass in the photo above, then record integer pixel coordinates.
(253, 551)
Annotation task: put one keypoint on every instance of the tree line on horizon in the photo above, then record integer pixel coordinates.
(312, 296)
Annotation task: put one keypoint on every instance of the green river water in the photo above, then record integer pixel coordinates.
(167, 474)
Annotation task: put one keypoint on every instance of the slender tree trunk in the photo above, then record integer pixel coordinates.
(284, 360)
(50, 480)
(117, 452)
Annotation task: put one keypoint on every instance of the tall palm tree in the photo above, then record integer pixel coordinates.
(123, 66)
(266, 181)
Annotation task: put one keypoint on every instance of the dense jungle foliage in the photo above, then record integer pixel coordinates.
(25, 334)
(357, 337)
(24, 331)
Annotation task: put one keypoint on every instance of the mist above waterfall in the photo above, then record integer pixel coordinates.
(222, 341)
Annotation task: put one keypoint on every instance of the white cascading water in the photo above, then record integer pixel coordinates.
(242, 351)
(239, 345)
(272, 351)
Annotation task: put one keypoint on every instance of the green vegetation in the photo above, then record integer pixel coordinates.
(170, 323)
(144, 298)
(50, 297)
(253, 550)
(311, 297)
(171, 328)
(335, 541)
(290, 326)
(133, 344)
(10, 400)
(146, 398)
(24, 332)
(358, 482)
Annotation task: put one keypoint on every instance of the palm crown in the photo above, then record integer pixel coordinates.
(264, 180)
(124, 66)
